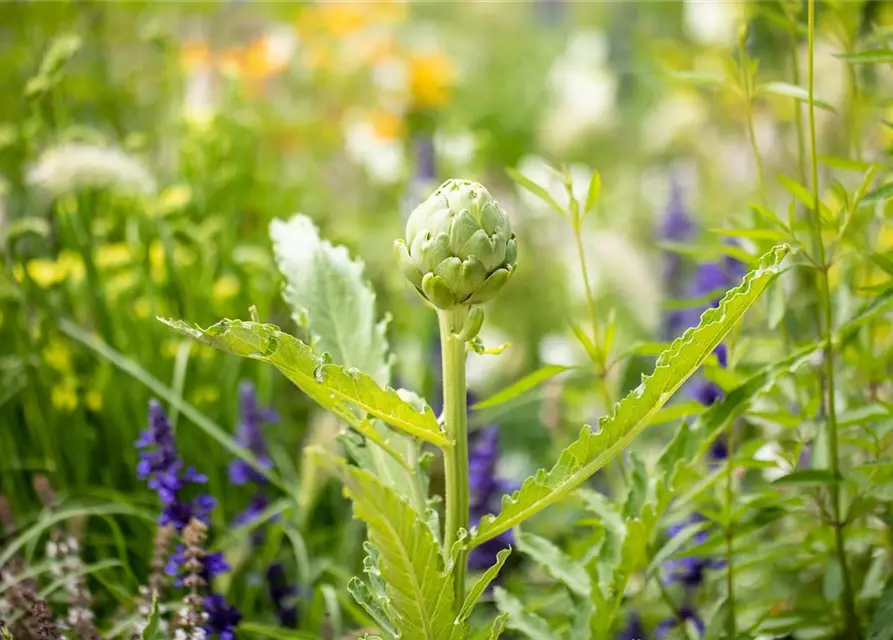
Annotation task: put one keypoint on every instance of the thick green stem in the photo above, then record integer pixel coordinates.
(848, 601)
(455, 415)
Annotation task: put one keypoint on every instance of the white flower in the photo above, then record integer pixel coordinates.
(771, 452)
(678, 116)
(74, 166)
(712, 22)
(557, 348)
(199, 104)
(457, 149)
(383, 158)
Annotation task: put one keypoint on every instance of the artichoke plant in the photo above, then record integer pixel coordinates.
(459, 247)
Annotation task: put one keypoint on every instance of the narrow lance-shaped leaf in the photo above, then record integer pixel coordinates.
(482, 583)
(595, 447)
(332, 386)
(556, 563)
(530, 624)
(420, 591)
(523, 385)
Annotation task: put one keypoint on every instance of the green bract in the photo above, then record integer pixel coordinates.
(459, 247)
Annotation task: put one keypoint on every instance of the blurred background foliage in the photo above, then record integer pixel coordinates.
(145, 148)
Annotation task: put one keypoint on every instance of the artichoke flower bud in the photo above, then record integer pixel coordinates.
(459, 247)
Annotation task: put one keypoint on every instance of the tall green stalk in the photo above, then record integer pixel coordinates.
(848, 602)
(455, 414)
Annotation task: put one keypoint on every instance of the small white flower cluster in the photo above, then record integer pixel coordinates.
(72, 167)
(65, 563)
(196, 632)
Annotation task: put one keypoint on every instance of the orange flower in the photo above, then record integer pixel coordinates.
(386, 125)
(195, 54)
(431, 77)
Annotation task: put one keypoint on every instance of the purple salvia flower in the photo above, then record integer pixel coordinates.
(689, 571)
(213, 564)
(223, 617)
(160, 465)
(687, 614)
(634, 629)
(486, 493)
(283, 594)
(250, 435)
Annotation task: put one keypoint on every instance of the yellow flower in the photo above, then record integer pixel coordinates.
(174, 198)
(169, 348)
(73, 265)
(206, 394)
(109, 256)
(58, 355)
(386, 125)
(93, 399)
(431, 76)
(120, 283)
(44, 273)
(225, 288)
(195, 54)
(64, 396)
(157, 264)
(142, 308)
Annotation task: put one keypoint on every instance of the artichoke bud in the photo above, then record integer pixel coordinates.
(459, 247)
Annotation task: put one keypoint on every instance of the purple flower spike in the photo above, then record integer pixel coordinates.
(160, 465)
(223, 617)
(283, 595)
(687, 614)
(689, 571)
(634, 629)
(213, 564)
(251, 436)
(486, 493)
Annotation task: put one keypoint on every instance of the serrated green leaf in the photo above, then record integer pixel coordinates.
(530, 624)
(594, 448)
(329, 296)
(555, 562)
(523, 385)
(869, 56)
(788, 90)
(420, 591)
(497, 627)
(537, 190)
(363, 596)
(482, 583)
(595, 188)
(330, 385)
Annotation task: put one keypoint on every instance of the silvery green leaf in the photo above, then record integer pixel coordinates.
(329, 296)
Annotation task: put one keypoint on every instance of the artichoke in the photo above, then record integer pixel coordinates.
(459, 247)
